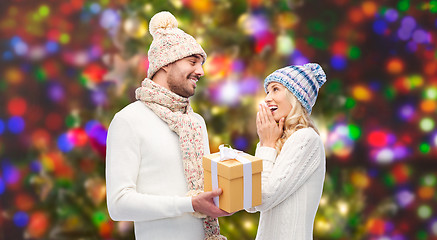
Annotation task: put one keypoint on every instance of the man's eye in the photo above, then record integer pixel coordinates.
(275, 89)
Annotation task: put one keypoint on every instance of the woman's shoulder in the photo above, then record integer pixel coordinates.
(306, 132)
(304, 135)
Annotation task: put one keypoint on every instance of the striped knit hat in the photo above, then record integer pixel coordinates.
(169, 43)
(303, 81)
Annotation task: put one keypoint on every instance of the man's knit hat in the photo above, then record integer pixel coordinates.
(169, 43)
(303, 81)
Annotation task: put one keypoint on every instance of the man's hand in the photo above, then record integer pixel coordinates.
(203, 203)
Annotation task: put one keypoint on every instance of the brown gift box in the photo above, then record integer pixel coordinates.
(230, 180)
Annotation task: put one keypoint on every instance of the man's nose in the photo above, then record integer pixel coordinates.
(199, 71)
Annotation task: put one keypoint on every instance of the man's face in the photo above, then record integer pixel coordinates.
(183, 75)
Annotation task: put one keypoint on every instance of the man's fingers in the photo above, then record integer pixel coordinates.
(217, 192)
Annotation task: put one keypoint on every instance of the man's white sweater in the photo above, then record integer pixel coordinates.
(292, 184)
(145, 179)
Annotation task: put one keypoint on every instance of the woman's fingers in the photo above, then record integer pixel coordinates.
(266, 117)
(269, 115)
(281, 124)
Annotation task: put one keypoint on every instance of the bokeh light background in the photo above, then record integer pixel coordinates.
(68, 66)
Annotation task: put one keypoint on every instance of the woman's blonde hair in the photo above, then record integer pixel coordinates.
(298, 118)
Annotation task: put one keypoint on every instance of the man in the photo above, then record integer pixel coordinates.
(155, 146)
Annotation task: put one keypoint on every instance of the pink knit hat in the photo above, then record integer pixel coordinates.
(169, 43)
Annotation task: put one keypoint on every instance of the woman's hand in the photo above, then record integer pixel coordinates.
(268, 130)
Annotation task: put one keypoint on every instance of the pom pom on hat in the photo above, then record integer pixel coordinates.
(318, 72)
(162, 20)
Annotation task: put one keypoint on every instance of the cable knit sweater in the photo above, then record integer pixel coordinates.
(292, 184)
(145, 176)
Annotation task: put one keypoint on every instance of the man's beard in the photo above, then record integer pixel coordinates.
(179, 86)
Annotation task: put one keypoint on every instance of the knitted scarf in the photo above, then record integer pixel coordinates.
(178, 114)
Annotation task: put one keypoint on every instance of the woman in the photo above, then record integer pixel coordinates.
(292, 152)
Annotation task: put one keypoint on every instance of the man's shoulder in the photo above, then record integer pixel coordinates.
(135, 112)
(133, 109)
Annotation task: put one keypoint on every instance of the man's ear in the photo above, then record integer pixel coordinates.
(165, 68)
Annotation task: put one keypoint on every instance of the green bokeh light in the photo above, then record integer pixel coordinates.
(44, 11)
(403, 5)
(426, 124)
(350, 103)
(431, 93)
(424, 211)
(429, 180)
(40, 75)
(64, 39)
(354, 52)
(72, 121)
(99, 218)
(433, 6)
(425, 148)
(354, 132)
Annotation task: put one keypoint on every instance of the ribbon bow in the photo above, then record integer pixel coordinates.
(227, 153)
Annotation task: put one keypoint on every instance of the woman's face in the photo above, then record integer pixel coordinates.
(277, 101)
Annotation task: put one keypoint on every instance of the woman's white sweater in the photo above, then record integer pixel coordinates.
(292, 184)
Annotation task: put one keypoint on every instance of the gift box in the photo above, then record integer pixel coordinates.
(238, 177)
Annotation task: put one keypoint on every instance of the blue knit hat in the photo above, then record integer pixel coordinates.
(303, 81)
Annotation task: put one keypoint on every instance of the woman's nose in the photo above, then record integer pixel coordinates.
(268, 98)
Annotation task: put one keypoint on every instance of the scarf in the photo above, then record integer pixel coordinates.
(178, 114)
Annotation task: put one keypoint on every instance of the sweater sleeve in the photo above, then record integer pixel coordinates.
(284, 174)
(122, 169)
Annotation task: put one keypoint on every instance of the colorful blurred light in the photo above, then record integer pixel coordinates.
(55, 91)
(284, 45)
(338, 62)
(24, 202)
(421, 36)
(38, 224)
(17, 106)
(380, 26)
(16, 125)
(2, 127)
(405, 198)
(391, 15)
(424, 211)
(340, 142)
(378, 138)
(21, 219)
(385, 156)
(395, 65)
(430, 93)
(428, 106)
(426, 124)
(361, 93)
(110, 19)
(426, 193)
(65, 143)
(407, 112)
(2, 186)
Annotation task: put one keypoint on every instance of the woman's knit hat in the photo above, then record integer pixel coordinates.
(303, 81)
(169, 43)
